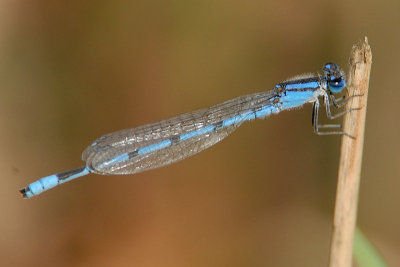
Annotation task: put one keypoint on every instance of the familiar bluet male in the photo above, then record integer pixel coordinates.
(158, 144)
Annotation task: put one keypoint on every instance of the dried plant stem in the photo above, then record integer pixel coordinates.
(350, 158)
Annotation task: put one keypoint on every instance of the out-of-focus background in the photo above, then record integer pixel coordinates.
(72, 71)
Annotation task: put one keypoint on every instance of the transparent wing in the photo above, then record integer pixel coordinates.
(125, 141)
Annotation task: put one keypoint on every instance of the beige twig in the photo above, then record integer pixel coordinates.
(350, 158)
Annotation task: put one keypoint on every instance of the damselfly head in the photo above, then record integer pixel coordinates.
(335, 77)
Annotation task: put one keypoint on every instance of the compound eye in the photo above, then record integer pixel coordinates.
(336, 85)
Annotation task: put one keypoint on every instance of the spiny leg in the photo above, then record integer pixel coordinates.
(335, 101)
(317, 126)
(337, 115)
(314, 119)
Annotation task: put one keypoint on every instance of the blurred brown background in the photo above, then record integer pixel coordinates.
(72, 71)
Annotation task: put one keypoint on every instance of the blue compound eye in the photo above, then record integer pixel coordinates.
(336, 85)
